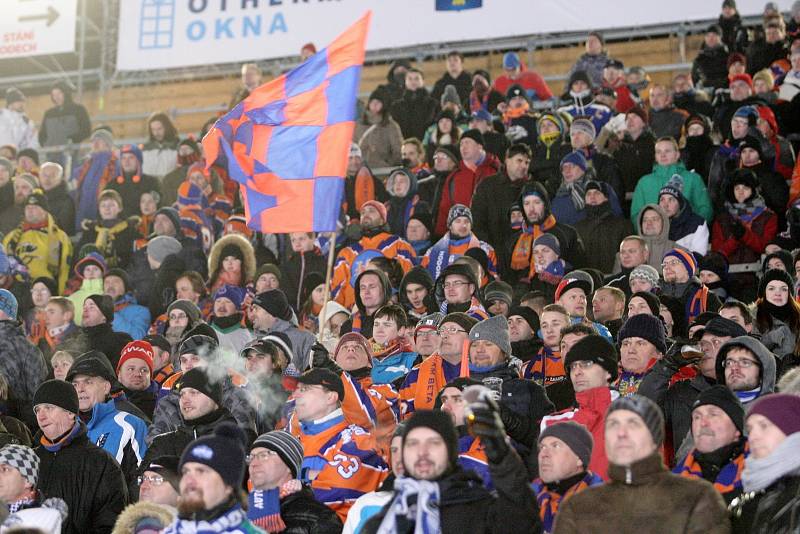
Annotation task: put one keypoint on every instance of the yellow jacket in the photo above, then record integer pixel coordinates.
(46, 250)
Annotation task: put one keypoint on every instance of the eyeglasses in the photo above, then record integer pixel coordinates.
(742, 364)
(428, 332)
(260, 456)
(304, 388)
(670, 263)
(450, 330)
(582, 364)
(156, 480)
(455, 284)
(177, 316)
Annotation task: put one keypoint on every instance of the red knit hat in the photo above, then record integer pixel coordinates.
(358, 338)
(141, 350)
(744, 77)
(378, 206)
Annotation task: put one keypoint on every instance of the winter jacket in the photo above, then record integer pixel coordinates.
(635, 158)
(695, 103)
(761, 54)
(102, 338)
(61, 207)
(120, 434)
(232, 338)
(401, 208)
(566, 212)
(86, 290)
(535, 87)
(774, 190)
(294, 270)
(590, 411)
(693, 295)
(463, 85)
(658, 245)
(158, 159)
(688, 229)
(601, 232)
(414, 112)
(167, 416)
(425, 381)
(448, 249)
(491, 202)
(17, 129)
(231, 521)
(667, 122)
(650, 185)
(775, 510)
(765, 357)
(380, 141)
(466, 506)
(301, 342)
(141, 512)
(87, 478)
(710, 67)
(131, 187)
(114, 239)
(46, 250)
(459, 188)
(303, 514)
(545, 167)
(645, 493)
(576, 107)
(591, 64)
(130, 318)
(23, 367)
(46, 515)
(67, 123)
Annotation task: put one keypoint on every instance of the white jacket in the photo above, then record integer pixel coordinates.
(17, 129)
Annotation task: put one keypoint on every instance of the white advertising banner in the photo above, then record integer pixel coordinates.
(156, 34)
(37, 27)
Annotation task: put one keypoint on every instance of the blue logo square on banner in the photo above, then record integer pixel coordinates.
(458, 5)
(156, 24)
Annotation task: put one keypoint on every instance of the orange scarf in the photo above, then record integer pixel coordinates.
(523, 249)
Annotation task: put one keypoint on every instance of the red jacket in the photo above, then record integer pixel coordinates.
(459, 187)
(591, 413)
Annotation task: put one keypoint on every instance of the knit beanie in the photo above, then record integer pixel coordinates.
(575, 436)
(644, 408)
(575, 157)
(651, 299)
(58, 393)
(584, 125)
(640, 112)
(173, 215)
(138, 349)
(494, 329)
(775, 275)
(378, 206)
(529, 314)
(428, 322)
(105, 305)
(461, 319)
(594, 349)
(105, 135)
(358, 338)
(647, 327)
(714, 262)
(571, 280)
(275, 303)
(92, 258)
(726, 400)
(498, 290)
(550, 241)
(188, 307)
(8, 303)
(31, 180)
(782, 409)
(92, 363)
(203, 346)
(645, 272)
(441, 423)
(269, 268)
(743, 77)
(162, 246)
(450, 95)
(223, 451)
(285, 445)
(157, 340)
(458, 210)
(196, 378)
(685, 257)
(23, 459)
(475, 135)
(235, 294)
(122, 275)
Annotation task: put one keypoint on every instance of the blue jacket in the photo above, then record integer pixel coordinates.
(564, 210)
(130, 317)
(120, 434)
(392, 367)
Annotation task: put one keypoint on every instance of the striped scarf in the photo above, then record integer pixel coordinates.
(549, 500)
(729, 478)
(523, 249)
(545, 368)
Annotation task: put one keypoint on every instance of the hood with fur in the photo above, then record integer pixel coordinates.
(249, 254)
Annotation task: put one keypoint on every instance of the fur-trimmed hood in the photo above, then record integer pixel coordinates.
(249, 254)
(130, 516)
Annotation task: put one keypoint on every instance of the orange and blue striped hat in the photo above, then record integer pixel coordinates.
(686, 257)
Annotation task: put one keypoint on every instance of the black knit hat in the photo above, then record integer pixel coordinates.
(201, 345)
(594, 349)
(326, 378)
(648, 327)
(275, 303)
(722, 397)
(92, 363)
(714, 262)
(644, 408)
(529, 314)
(196, 378)
(773, 275)
(424, 217)
(439, 422)
(157, 340)
(223, 451)
(575, 436)
(785, 258)
(105, 305)
(475, 135)
(58, 393)
(173, 215)
(651, 299)
(461, 319)
(122, 275)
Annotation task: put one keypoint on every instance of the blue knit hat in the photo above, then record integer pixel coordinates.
(576, 158)
(223, 451)
(8, 303)
(550, 241)
(235, 294)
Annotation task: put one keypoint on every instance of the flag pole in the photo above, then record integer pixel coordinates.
(328, 275)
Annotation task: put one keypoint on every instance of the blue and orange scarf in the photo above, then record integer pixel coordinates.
(550, 500)
(729, 478)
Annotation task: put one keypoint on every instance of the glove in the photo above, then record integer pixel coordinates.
(678, 356)
(353, 231)
(738, 230)
(320, 358)
(486, 425)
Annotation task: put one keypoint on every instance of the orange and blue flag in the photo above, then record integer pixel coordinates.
(287, 143)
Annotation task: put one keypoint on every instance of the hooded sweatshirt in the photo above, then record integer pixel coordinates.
(768, 367)
(660, 244)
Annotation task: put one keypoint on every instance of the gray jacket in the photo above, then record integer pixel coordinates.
(22, 365)
(301, 342)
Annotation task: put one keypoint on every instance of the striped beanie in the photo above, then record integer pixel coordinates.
(686, 257)
(285, 445)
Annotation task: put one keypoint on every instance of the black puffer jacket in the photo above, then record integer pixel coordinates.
(776, 510)
(303, 514)
(88, 479)
(100, 338)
